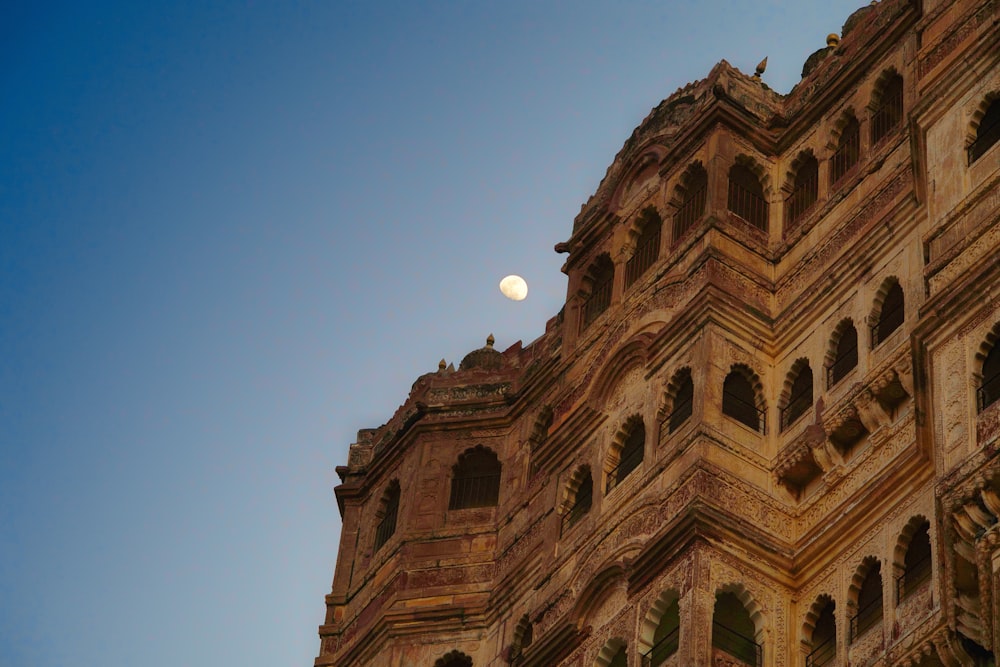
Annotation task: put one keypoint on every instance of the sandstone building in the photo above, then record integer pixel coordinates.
(764, 428)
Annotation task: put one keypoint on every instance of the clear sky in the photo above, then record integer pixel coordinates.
(234, 233)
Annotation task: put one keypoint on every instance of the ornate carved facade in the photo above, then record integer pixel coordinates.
(764, 429)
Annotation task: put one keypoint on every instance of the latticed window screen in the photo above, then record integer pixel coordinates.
(889, 112)
(476, 480)
(746, 196)
(387, 524)
(848, 151)
(805, 191)
(846, 358)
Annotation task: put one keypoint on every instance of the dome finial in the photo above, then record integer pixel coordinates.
(833, 39)
(761, 66)
(442, 365)
(489, 341)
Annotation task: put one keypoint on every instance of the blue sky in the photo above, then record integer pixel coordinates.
(234, 233)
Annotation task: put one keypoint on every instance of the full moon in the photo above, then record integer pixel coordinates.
(514, 288)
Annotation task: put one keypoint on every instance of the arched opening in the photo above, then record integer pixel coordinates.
(475, 480)
(600, 280)
(523, 636)
(647, 246)
(388, 509)
(746, 196)
(890, 314)
(666, 637)
(613, 654)
(739, 400)
(916, 561)
(800, 394)
(845, 353)
(989, 391)
(988, 131)
(682, 405)
(632, 441)
(887, 107)
(869, 598)
(454, 659)
(848, 151)
(692, 196)
(805, 191)
(824, 635)
(581, 493)
(733, 631)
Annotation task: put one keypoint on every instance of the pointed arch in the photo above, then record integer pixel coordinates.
(743, 397)
(988, 361)
(578, 498)
(475, 479)
(886, 105)
(888, 312)
(865, 597)
(690, 198)
(984, 130)
(842, 352)
(626, 452)
(912, 557)
(797, 395)
(747, 198)
(847, 151)
(659, 634)
(613, 654)
(388, 509)
(454, 659)
(597, 286)
(680, 400)
(802, 187)
(738, 625)
(645, 233)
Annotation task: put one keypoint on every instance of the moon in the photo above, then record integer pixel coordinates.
(514, 288)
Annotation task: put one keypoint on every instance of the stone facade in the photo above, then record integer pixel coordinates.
(694, 464)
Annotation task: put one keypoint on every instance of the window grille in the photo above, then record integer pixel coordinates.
(662, 650)
(847, 356)
(646, 251)
(738, 402)
(683, 405)
(869, 603)
(824, 654)
(476, 481)
(890, 317)
(600, 294)
(746, 197)
(848, 152)
(804, 193)
(889, 112)
(387, 525)
(988, 132)
(692, 207)
(631, 457)
(916, 563)
(581, 504)
(800, 400)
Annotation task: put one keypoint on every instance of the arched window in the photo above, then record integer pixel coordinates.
(848, 151)
(733, 631)
(869, 605)
(601, 278)
(620, 659)
(683, 403)
(988, 132)
(887, 111)
(454, 659)
(666, 639)
(824, 637)
(890, 316)
(989, 390)
(388, 509)
(739, 401)
(746, 196)
(631, 452)
(582, 498)
(845, 356)
(475, 480)
(693, 193)
(805, 191)
(800, 395)
(916, 563)
(647, 247)
(523, 636)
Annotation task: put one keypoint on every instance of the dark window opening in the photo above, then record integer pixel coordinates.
(746, 197)
(824, 638)
(916, 563)
(476, 480)
(666, 638)
(602, 280)
(647, 249)
(630, 456)
(889, 112)
(805, 191)
(733, 631)
(989, 390)
(620, 659)
(582, 502)
(869, 612)
(740, 402)
(988, 132)
(848, 152)
(692, 206)
(387, 525)
(846, 358)
(890, 316)
(800, 397)
(683, 403)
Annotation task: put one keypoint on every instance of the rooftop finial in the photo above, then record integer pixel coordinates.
(489, 341)
(833, 39)
(761, 66)
(442, 365)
